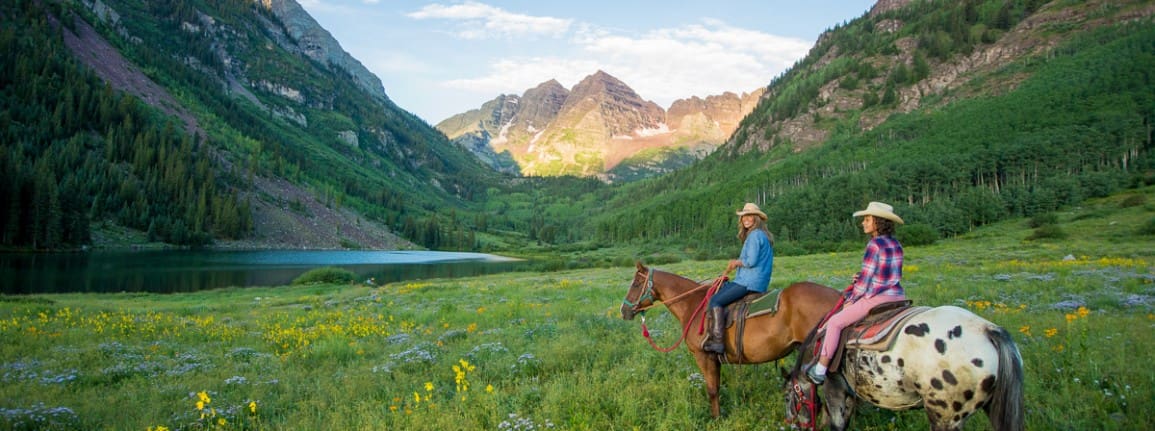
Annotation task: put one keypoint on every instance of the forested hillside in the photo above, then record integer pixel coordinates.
(958, 113)
(75, 149)
(1068, 119)
(221, 123)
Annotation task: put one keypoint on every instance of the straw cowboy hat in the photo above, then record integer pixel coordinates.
(879, 209)
(750, 208)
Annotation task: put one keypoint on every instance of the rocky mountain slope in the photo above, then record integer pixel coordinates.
(601, 127)
(296, 127)
(957, 113)
(904, 78)
(306, 36)
(313, 225)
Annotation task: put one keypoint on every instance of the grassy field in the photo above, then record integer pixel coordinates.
(534, 351)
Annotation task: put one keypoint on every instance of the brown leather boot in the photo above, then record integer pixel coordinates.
(714, 339)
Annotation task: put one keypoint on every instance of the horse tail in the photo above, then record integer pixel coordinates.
(1005, 408)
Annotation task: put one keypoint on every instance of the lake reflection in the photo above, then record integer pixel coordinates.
(187, 271)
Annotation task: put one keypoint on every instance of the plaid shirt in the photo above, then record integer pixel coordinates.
(881, 270)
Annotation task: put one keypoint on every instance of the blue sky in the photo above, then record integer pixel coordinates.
(440, 58)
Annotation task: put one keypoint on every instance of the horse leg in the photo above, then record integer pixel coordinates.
(712, 372)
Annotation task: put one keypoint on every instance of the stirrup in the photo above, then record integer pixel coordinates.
(814, 378)
(713, 346)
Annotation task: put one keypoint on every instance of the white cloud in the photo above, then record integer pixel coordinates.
(515, 75)
(694, 60)
(482, 21)
(662, 65)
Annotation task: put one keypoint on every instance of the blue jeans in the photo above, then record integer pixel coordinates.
(728, 293)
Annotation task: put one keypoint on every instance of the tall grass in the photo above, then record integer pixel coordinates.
(533, 351)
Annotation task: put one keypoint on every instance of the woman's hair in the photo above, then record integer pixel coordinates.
(883, 226)
(758, 224)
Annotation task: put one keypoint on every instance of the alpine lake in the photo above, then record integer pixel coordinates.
(170, 271)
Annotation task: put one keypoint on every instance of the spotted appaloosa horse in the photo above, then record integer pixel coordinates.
(767, 337)
(947, 360)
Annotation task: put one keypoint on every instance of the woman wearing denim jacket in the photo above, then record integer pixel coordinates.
(755, 267)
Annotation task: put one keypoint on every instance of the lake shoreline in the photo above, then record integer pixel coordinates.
(179, 270)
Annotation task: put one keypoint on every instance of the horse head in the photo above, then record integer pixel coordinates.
(802, 402)
(640, 296)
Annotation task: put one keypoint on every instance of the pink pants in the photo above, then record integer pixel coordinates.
(847, 316)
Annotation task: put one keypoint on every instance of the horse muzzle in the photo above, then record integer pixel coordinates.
(628, 312)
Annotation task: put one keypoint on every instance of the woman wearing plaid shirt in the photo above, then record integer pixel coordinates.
(875, 284)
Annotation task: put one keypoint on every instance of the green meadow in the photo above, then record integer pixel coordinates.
(537, 351)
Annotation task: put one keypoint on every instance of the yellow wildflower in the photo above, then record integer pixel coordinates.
(1026, 330)
(1051, 332)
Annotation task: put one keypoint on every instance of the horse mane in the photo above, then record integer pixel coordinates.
(802, 350)
(679, 277)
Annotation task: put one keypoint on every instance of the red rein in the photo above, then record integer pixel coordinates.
(806, 401)
(686, 329)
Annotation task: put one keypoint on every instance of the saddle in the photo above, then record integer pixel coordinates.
(752, 305)
(876, 331)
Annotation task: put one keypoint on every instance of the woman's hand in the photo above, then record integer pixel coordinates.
(734, 263)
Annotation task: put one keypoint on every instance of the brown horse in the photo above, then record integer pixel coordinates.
(767, 337)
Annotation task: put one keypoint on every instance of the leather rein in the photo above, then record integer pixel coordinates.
(648, 293)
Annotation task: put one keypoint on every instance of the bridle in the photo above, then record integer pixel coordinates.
(648, 294)
(809, 399)
(804, 399)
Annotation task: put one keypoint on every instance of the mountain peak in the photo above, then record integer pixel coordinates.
(596, 126)
(319, 45)
(551, 85)
(601, 74)
(600, 77)
(604, 87)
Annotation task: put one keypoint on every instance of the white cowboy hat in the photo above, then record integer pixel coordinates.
(750, 208)
(879, 209)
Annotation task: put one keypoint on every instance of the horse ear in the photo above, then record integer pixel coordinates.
(641, 266)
